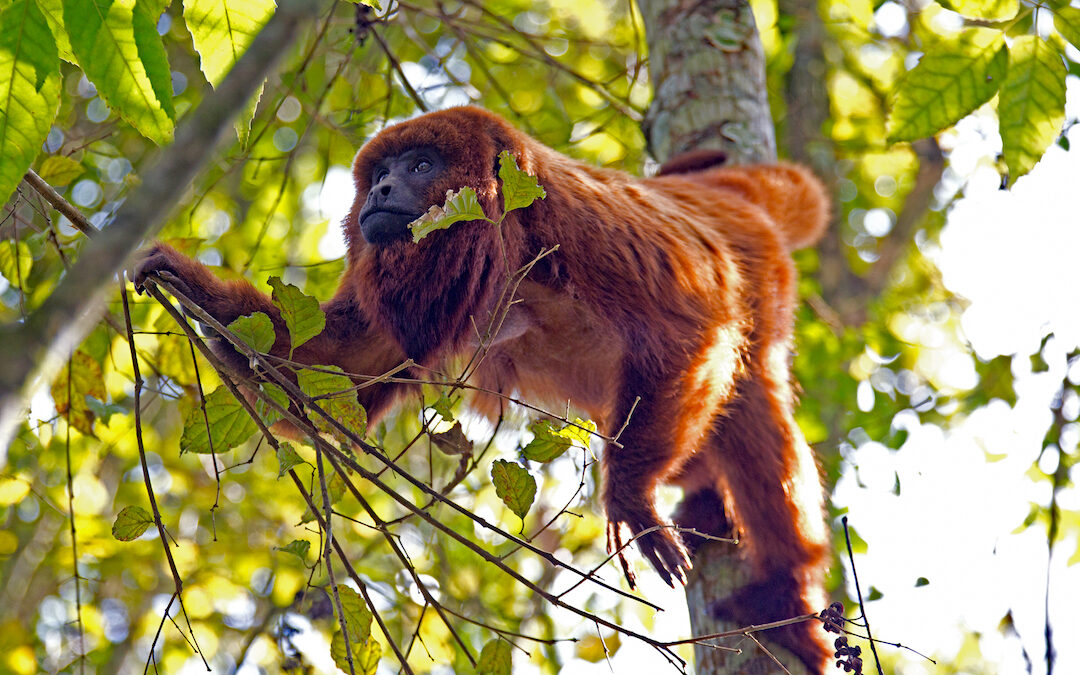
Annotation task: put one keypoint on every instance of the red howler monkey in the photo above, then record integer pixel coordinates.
(676, 292)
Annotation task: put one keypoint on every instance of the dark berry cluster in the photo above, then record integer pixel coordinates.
(833, 618)
(847, 657)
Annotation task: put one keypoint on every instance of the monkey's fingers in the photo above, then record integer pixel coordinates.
(616, 545)
(667, 555)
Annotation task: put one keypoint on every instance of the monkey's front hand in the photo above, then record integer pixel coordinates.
(660, 544)
(163, 261)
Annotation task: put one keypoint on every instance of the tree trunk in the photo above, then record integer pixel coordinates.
(707, 67)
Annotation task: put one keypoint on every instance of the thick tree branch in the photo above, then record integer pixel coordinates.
(707, 65)
(53, 331)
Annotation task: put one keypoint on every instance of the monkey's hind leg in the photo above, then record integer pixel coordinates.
(774, 498)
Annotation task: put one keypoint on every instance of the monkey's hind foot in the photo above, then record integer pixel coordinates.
(775, 599)
(662, 547)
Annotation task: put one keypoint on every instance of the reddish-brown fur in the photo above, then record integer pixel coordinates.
(675, 291)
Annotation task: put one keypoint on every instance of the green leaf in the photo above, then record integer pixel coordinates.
(297, 547)
(519, 189)
(16, 260)
(949, 82)
(86, 380)
(374, 4)
(453, 442)
(103, 411)
(1067, 22)
(580, 432)
(222, 31)
(29, 89)
(365, 649)
(366, 654)
(277, 394)
(335, 393)
(459, 206)
(987, 10)
(53, 10)
(550, 442)
(256, 330)
(922, 581)
(1031, 107)
(59, 170)
(514, 485)
(243, 119)
(357, 615)
(118, 47)
(229, 424)
(302, 314)
(131, 522)
(495, 658)
(287, 458)
(594, 650)
(443, 407)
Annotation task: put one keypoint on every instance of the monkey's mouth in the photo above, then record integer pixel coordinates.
(386, 225)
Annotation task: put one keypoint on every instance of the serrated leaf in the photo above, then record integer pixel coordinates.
(443, 407)
(366, 655)
(222, 31)
(268, 414)
(297, 547)
(1031, 106)
(29, 89)
(590, 648)
(131, 522)
(301, 313)
(1067, 22)
(53, 10)
(495, 658)
(103, 411)
(514, 485)
(117, 45)
(952, 80)
(374, 4)
(519, 189)
(59, 170)
(460, 205)
(987, 10)
(546, 444)
(229, 425)
(357, 615)
(335, 393)
(453, 442)
(16, 259)
(86, 380)
(287, 458)
(256, 330)
(580, 432)
(243, 119)
(550, 441)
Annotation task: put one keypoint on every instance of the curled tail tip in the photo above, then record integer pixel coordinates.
(801, 206)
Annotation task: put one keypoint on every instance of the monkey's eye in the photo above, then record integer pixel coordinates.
(421, 166)
(380, 174)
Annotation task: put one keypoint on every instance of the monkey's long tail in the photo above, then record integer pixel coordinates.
(791, 194)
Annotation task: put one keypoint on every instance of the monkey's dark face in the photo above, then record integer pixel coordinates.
(400, 193)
